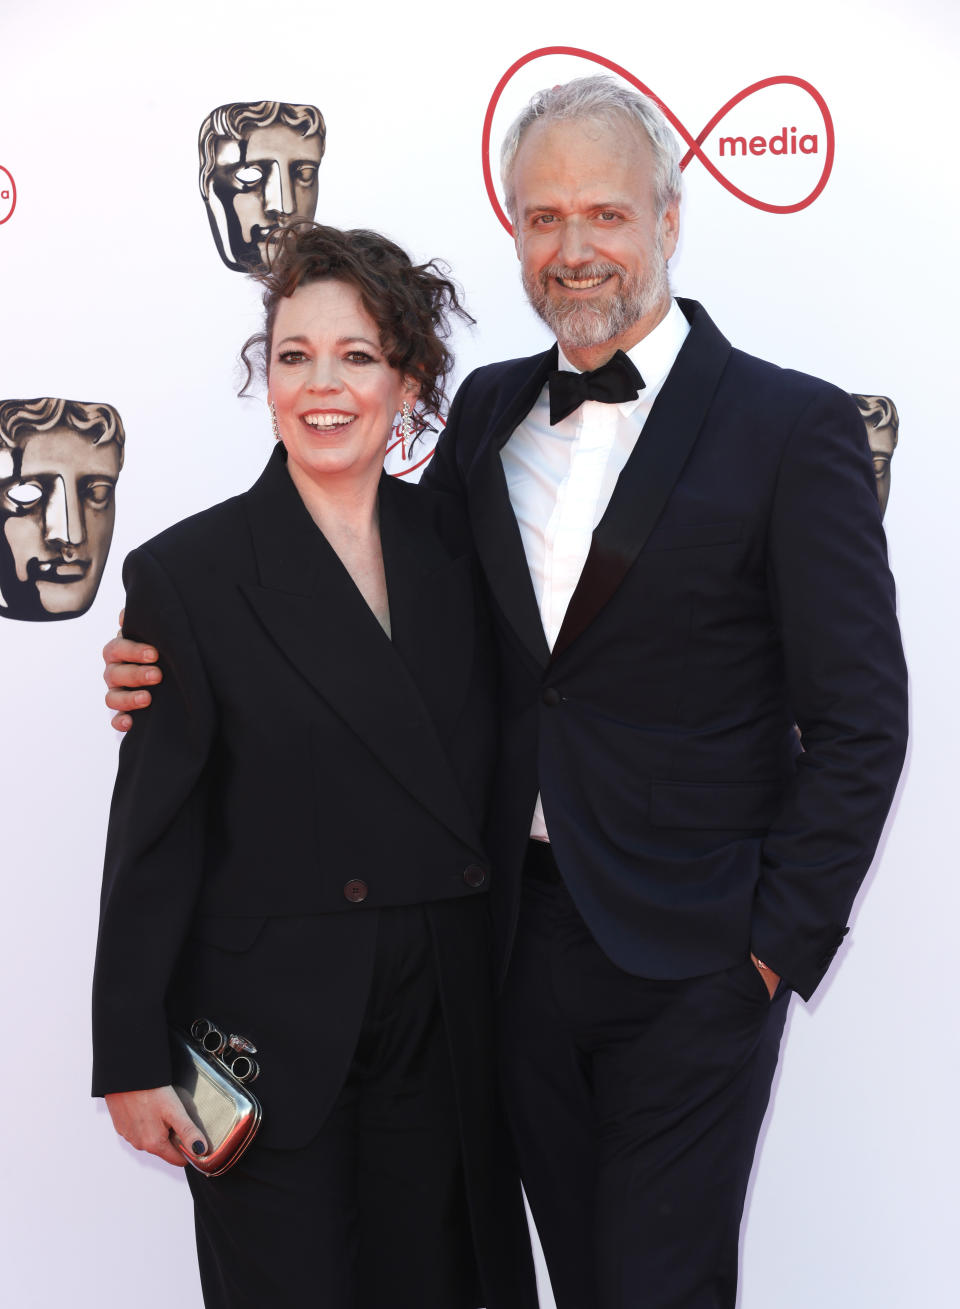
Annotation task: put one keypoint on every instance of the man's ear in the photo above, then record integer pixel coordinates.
(670, 229)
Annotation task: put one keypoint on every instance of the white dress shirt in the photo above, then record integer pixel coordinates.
(561, 478)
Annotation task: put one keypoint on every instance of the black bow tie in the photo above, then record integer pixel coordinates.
(616, 380)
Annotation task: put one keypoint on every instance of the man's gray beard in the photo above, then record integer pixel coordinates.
(582, 325)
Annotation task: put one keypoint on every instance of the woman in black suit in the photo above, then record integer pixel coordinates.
(294, 846)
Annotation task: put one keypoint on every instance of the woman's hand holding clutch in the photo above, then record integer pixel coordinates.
(147, 1118)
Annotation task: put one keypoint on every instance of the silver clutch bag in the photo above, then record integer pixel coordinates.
(211, 1075)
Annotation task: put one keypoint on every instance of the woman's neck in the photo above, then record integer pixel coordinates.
(347, 513)
(339, 505)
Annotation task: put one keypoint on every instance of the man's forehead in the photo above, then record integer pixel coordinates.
(601, 134)
(62, 450)
(547, 193)
(588, 156)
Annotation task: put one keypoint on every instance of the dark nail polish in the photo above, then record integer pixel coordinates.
(198, 1147)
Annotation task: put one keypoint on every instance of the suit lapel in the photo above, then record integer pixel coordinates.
(310, 607)
(494, 524)
(650, 473)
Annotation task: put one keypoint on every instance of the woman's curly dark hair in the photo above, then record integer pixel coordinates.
(411, 304)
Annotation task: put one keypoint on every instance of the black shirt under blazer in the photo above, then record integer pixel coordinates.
(295, 751)
(736, 585)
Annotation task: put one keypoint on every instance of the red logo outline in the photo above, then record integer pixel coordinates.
(14, 203)
(694, 143)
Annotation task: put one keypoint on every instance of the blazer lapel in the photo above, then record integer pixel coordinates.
(494, 524)
(650, 473)
(432, 611)
(310, 607)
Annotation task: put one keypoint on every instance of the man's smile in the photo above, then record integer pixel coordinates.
(582, 283)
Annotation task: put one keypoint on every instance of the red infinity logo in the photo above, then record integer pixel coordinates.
(8, 194)
(694, 143)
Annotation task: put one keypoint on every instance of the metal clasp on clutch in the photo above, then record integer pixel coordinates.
(233, 1051)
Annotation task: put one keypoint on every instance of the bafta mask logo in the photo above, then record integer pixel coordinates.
(59, 464)
(883, 425)
(259, 165)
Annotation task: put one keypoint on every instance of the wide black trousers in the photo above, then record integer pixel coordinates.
(372, 1213)
(635, 1106)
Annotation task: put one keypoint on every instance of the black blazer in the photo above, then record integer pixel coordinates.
(736, 585)
(299, 770)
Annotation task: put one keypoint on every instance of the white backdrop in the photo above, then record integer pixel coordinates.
(112, 291)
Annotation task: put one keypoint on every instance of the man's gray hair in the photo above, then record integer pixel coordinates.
(599, 97)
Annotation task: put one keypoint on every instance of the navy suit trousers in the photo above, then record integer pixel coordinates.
(636, 1105)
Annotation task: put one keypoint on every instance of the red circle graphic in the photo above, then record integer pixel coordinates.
(13, 188)
(694, 143)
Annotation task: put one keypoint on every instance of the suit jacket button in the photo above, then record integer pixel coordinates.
(355, 890)
(552, 697)
(474, 875)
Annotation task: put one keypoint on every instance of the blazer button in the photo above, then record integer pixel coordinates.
(355, 890)
(474, 875)
(552, 697)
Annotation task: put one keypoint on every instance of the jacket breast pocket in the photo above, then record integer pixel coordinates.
(685, 536)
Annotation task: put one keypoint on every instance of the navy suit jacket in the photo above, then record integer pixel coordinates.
(736, 586)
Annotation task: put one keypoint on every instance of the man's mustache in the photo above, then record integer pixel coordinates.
(583, 273)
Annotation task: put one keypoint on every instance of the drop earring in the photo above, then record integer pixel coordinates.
(406, 427)
(273, 421)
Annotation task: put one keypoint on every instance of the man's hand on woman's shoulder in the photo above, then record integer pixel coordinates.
(129, 667)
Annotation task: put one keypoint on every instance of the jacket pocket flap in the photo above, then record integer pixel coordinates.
(227, 931)
(714, 805)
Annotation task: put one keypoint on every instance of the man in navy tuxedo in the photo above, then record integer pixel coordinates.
(705, 569)
(684, 558)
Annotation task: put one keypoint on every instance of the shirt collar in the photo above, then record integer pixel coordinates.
(654, 356)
